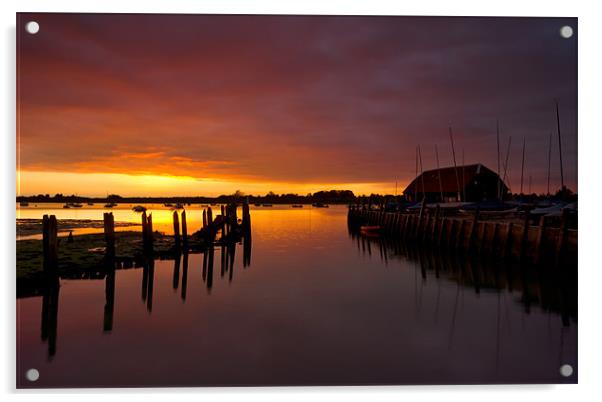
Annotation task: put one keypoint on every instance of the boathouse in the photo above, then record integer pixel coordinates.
(462, 183)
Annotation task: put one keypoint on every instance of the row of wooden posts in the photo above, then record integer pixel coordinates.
(505, 239)
(227, 222)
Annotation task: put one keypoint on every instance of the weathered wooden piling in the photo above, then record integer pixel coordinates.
(204, 218)
(538, 242)
(525, 235)
(176, 229)
(475, 235)
(435, 224)
(209, 216)
(506, 245)
(149, 231)
(184, 230)
(50, 242)
(561, 236)
(109, 231)
(473, 229)
(246, 217)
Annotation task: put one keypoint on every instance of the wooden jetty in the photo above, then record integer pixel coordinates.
(122, 249)
(505, 239)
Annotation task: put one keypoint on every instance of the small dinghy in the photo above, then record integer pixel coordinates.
(371, 230)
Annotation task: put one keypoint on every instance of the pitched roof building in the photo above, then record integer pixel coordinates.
(463, 183)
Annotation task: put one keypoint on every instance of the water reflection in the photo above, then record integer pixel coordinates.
(51, 287)
(552, 289)
(320, 306)
(50, 310)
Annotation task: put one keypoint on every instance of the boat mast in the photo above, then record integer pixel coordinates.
(507, 156)
(451, 137)
(522, 168)
(463, 178)
(416, 179)
(559, 147)
(439, 170)
(421, 174)
(549, 160)
(499, 172)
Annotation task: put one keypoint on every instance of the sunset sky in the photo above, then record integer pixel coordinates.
(206, 105)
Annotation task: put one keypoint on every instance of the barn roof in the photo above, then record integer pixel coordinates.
(466, 174)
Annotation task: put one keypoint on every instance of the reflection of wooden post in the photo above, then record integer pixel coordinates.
(176, 229)
(184, 230)
(109, 229)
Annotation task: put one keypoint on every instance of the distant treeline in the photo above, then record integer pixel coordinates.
(329, 197)
(326, 197)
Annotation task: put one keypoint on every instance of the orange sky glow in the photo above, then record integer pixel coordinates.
(196, 105)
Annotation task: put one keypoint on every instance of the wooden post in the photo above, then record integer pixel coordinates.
(525, 236)
(561, 236)
(176, 229)
(450, 233)
(184, 230)
(442, 225)
(506, 249)
(109, 230)
(149, 232)
(204, 218)
(540, 233)
(50, 243)
(420, 218)
(494, 239)
(459, 234)
(144, 231)
(246, 217)
(473, 228)
(435, 224)
(209, 217)
(45, 236)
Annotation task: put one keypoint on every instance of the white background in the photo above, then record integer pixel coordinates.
(590, 196)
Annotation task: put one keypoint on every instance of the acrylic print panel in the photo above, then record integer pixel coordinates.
(220, 200)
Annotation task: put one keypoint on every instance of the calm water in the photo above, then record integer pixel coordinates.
(316, 305)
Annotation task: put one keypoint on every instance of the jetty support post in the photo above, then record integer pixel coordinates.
(176, 230)
(540, 233)
(204, 218)
(473, 229)
(525, 236)
(246, 218)
(144, 231)
(50, 243)
(209, 217)
(433, 236)
(420, 219)
(184, 230)
(109, 230)
(149, 232)
(561, 236)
